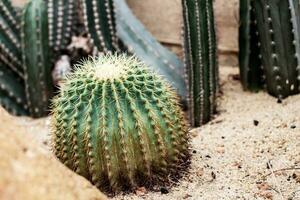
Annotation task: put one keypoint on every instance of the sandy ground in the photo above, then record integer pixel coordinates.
(251, 150)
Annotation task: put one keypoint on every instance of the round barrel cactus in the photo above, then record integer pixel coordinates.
(119, 124)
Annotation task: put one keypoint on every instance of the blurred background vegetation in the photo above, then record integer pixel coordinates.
(161, 19)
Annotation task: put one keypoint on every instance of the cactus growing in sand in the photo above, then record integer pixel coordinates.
(200, 59)
(275, 26)
(118, 124)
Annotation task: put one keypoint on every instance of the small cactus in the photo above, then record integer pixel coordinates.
(36, 57)
(277, 26)
(200, 59)
(118, 124)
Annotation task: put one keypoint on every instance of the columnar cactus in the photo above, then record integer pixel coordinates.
(36, 57)
(277, 25)
(200, 59)
(100, 23)
(60, 21)
(118, 124)
(141, 43)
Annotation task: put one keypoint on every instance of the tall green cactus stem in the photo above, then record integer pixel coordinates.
(12, 95)
(118, 124)
(10, 54)
(249, 55)
(142, 44)
(36, 57)
(100, 24)
(60, 17)
(200, 59)
(278, 28)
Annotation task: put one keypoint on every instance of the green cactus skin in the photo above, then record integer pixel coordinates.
(200, 59)
(12, 95)
(249, 55)
(60, 20)
(119, 125)
(10, 53)
(279, 28)
(277, 25)
(99, 22)
(142, 44)
(36, 57)
(10, 15)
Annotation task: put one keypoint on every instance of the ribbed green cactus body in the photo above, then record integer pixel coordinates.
(10, 53)
(279, 29)
(118, 124)
(200, 59)
(142, 44)
(60, 21)
(12, 95)
(249, 56)
(100, 24)
(36, 57)
(270, 46)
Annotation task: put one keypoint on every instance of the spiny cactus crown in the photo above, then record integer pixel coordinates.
(118, 124)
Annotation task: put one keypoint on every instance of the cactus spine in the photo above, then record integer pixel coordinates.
(200, 59)
(278, 27)
(118, 124)
(36, 57)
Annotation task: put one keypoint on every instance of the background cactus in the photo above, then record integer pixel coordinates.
(100, 23)
(200, 59)
(10, 53)
(12, 95)
(277, 25)
(60, 21)
(249, 55)
(141, 43)
(119, 125)
(36, 57)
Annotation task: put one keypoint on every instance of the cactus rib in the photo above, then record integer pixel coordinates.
(249, 56)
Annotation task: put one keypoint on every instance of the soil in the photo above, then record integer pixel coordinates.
(251, 150)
